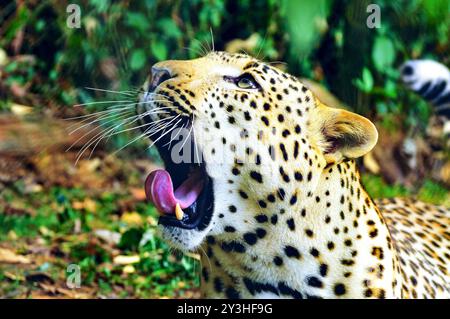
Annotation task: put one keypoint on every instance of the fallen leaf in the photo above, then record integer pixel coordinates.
(14, 277)
(9, 257)
(87, 204)
(128, 269)
(138, 193)
(108, 236)
(126, 260)
(19, 109)
(132, 218)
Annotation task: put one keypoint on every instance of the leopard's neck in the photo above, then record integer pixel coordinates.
(333, 244)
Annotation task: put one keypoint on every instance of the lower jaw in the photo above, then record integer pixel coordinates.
(197, 216)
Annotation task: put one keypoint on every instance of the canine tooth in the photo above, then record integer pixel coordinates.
(178, 212)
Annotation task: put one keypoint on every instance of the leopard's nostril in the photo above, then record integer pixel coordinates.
(158, 76)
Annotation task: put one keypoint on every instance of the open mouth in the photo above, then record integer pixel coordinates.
(182, 192)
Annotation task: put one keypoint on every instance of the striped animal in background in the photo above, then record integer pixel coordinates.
(431, 80)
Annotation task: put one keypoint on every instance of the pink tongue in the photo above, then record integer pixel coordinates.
(159, 190)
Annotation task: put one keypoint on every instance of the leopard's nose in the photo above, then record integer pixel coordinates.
(159, 75)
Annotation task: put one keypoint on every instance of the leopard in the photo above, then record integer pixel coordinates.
(261, 178)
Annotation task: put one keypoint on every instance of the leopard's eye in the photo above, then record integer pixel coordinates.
(245, 81)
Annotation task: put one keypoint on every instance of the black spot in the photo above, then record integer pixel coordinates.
(274, 219)
(303, 212)
(323, 269)
(243, 194)
(256, 176)
(293, 199)
(261, 233)
(256, 287)
(277, 260)
(280, 118)
(233, 246)
(339, 289)
(232, 208)
(250, 238)
(205, 274)
(291, 251)
(314, 282)
(309, 232)
(262, 203)
(230, 229)
(261, 218)
(314, 252)
(291, 224)
(232, 293)
(281, 193)
(298, 176)
(296, 147)
(218, 284)
(283, 151)
(286, 290)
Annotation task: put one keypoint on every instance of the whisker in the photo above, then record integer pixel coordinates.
(212, 38)
(102, 102)
(104, 116)
(162, 135)
(145, 133)
(196, 151)
(101, 135)
(129, 93)
(95, 114)
(86, 134)
(188, 136)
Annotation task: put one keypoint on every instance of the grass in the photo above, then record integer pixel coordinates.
(47, 222)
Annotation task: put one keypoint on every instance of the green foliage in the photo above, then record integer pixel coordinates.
(325, 40)
(429, 192)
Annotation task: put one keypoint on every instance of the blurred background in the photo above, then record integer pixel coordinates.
(62, 204)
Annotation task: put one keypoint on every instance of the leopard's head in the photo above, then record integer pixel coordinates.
(240, 140)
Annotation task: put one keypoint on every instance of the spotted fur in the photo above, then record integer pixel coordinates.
(291, 218)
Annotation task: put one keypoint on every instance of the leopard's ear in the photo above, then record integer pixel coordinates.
(341, 134)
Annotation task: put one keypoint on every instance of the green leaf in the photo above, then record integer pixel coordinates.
(138, 21)
(383, 53)
(169, 28)
(130, 239)
(159, 50)
(137, 59)
(367, 79)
